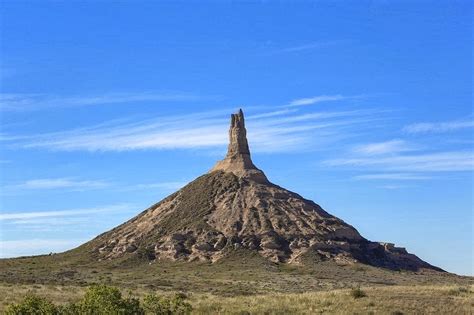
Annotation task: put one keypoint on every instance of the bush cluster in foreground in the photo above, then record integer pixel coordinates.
(102, 299)
(357, 293)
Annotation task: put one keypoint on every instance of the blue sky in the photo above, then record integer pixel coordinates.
(365, 108)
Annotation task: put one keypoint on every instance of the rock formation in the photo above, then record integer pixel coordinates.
(233, 207)
(237, 160)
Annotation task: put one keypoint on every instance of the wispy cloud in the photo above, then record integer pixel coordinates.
(68, 184)
(59, 183)
(439, 127)
(165, 186)
(391, 176)
(317, 99)
(393, 187)
(272, 114)
(386, 147)
(429, 162)
(310, 46)
(268, 132)
(8, 216)
(75, 220)
(46, 222)
(26, 102)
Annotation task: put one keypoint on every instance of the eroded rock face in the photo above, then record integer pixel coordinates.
(244, 214)
(238, 160)
(238, 144)
(233, 207)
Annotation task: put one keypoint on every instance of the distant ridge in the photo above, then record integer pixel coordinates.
(234, 206)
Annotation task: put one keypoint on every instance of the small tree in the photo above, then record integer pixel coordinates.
(102, 299)
(33, 305)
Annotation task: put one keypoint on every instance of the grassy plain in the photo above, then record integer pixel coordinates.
(244, 283)
(417, 299)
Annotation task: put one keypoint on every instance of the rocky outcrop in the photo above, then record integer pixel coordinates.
(238, 160)
(233, 207)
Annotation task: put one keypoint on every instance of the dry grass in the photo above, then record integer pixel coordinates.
(379, 300)
(245, 283)
(239, 274)
(418, 299)
(12, 293)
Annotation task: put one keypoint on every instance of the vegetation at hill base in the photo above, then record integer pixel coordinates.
(243, 283)
(102, 299)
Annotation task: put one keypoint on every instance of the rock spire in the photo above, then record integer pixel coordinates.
(237, 136)
(238, 159)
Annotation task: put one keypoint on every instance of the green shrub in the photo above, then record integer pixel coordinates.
(69, 309)
(159, 305)
(357, 293)
(33, 305)
(102, 299)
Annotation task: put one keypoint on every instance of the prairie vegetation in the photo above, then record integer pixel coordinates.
(418, 299)
(102, 299)
(243, 283)
(378, 300)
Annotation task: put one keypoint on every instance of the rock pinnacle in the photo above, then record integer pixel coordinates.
(233, 207)
(238, 159)
(237, 136)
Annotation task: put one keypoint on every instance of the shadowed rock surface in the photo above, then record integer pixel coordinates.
(234, 206)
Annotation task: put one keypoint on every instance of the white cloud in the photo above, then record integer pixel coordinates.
(20, 102)
(310, 46)
(391, 176)
(272, 114)
(439, 127)
(46, 222)
(72, 185)
(317, 99)
(429, 162)
(167, 186)
(271, 132)
(386, 147)
(4, 216)
(393, 187)
(59, 183)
